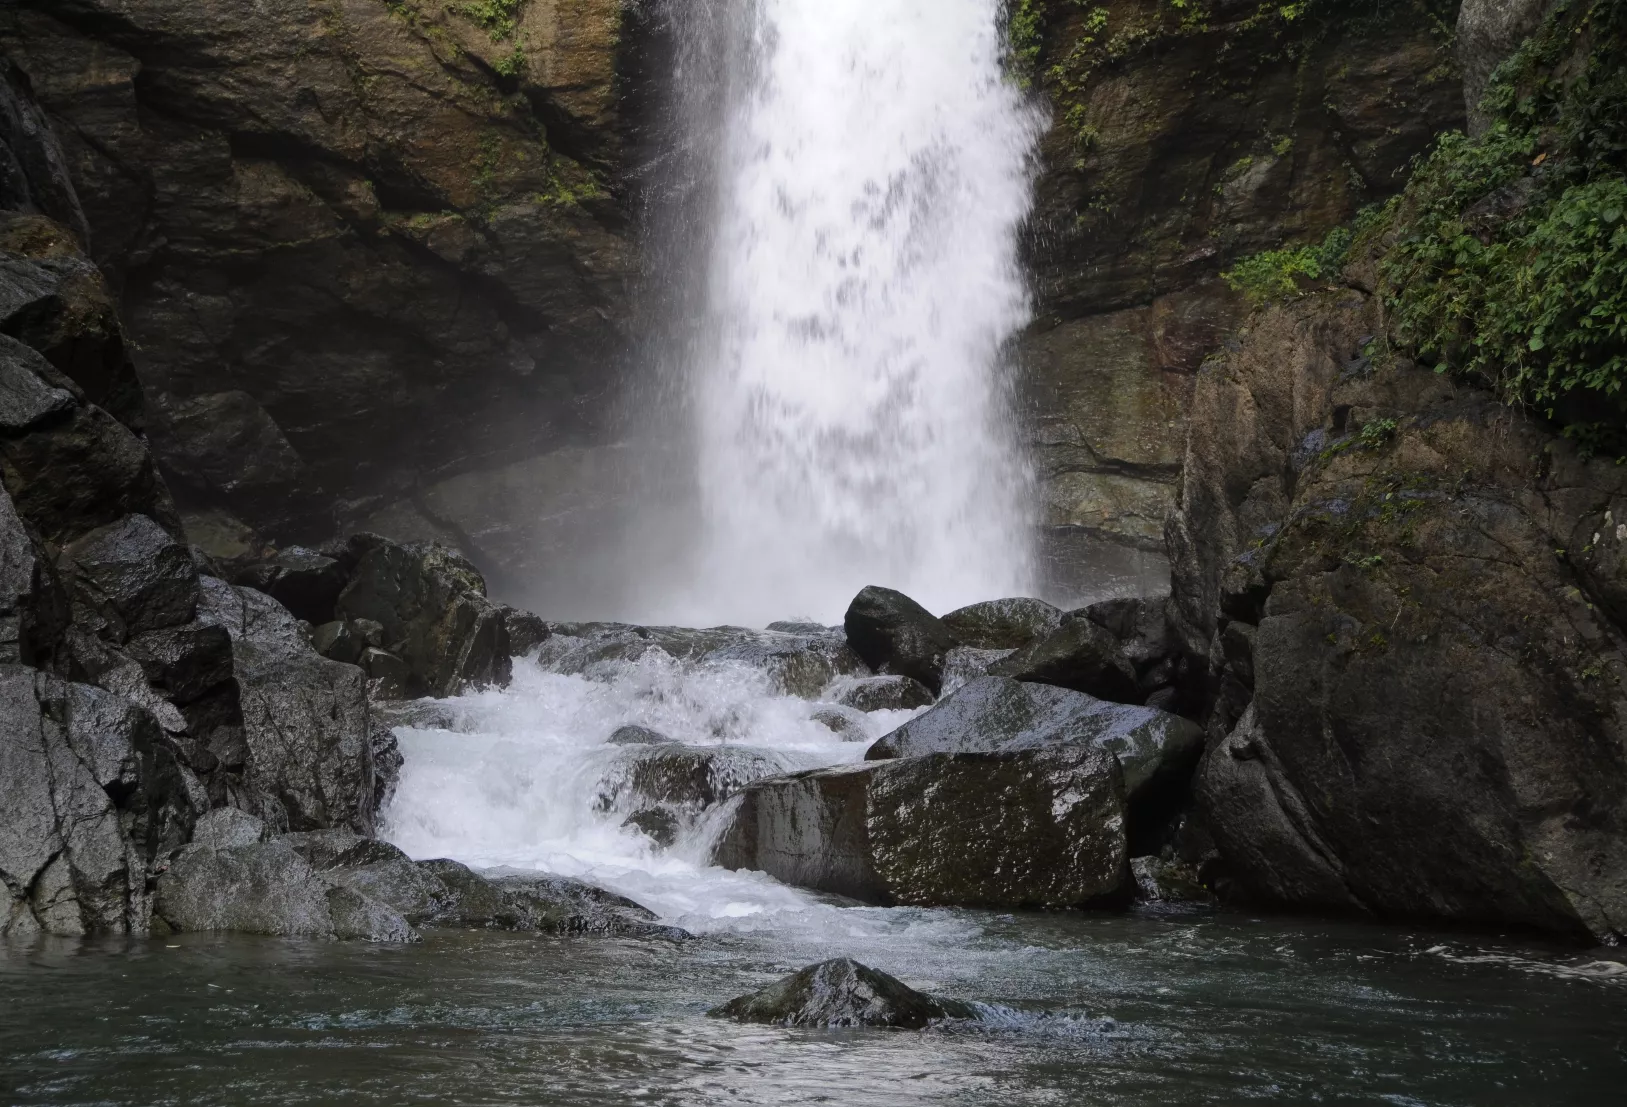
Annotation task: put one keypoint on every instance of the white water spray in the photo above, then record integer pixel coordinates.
(848, 384)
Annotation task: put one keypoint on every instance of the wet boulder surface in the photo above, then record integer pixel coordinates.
(842, 993)
(894, 634)
(237, 875)
(994, 714)
(1040, 827)
(1079, 654)
(1008, 624)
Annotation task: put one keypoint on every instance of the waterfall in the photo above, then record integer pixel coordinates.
(855, 174)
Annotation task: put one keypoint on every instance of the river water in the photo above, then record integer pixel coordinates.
(1152, 1009)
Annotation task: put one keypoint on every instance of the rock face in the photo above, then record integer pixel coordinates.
(1040, 827)
(1412, 596)
(91, 797)
(894, 634)
(842, 993)
(1179, 143)
(399, 230)
(993, 714)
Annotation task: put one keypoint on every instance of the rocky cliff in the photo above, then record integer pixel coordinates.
(360, 246)
(1183, 137)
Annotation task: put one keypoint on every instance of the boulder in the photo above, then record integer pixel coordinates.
(1081, 655)
(1420, 711)
(1003, 624)
(883, 693)
(34, 173)
(304, 581)
(338, 641)
(91, 797)
(134, 576)
(1041, 827)
(32, 609)
(893, 634)
(525, 631)
(966, 663)
(685, 778)
(842, 993)
(237, 879)
(801, 665)
(68, 465)
(431, 605)
(993, 714)
(312, 756)
(846, 723)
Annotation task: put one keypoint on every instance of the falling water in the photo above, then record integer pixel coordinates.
(865, 170)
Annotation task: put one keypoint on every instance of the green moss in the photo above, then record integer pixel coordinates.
(1510, 264)
(511, 65)
(500, 17)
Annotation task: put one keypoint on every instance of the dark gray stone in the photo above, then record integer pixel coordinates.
(338, 641)
(894, 634)
(846, 723)
(1081, 655)
(842, 993)
(994, 714)
(304, 581)
(884, 693)
(632, 735)
(135, 576)
(1003, 624)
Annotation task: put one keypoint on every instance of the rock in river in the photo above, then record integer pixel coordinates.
(1079, 654)
(1003, 624)
(996, 713)
(894, 634)
(1039, 827)
(842, 992)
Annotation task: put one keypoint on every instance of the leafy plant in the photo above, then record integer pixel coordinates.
(500, 17)
(1510, 263)
(1278, 274)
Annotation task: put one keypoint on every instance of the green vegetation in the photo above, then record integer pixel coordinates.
(500, 17)
(511, 65)
(1279, 274)
(1510, 263)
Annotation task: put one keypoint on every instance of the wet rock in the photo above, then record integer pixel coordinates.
(525, 631)
(69, 466)
(32, 609)
(432, 606)
(846, 723)
(965, 664)
(338, 641)
(1035, 827)
(661, 825)
(842, 993)
(1165, 674)
(884, 693)
(186, 662)
(91, 796)
(999, 714)
(265, 886)
(687, 777)
(797, 664)
(310, 751)
(388, 676)
(224, 448)
(893, 634)
(304, 581)
(575, 907)
(632, 735)
(1003, 624)
(229, 828)
(1161, 881)
(1081, 655)
(34, 173)
(134, 576)
(794, 626)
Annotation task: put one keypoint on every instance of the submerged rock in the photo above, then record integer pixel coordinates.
(845, 722)
(632, 735)
(842, 993)
(999, 714)
(1028, 828)
(1003, 624)
(894, 634)
(1079, 654)
(1160, 881)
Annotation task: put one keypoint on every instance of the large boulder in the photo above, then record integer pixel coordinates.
(235, 876)
(312, 755)
(994, 714)
(1041, 827)
(1409, 589)
(1003, 624)
(132, 576)
(842, 993)
(91, 798)
(1080, 654)
(431, 605)
(883, 693)
(662, 787)
(894, 634)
